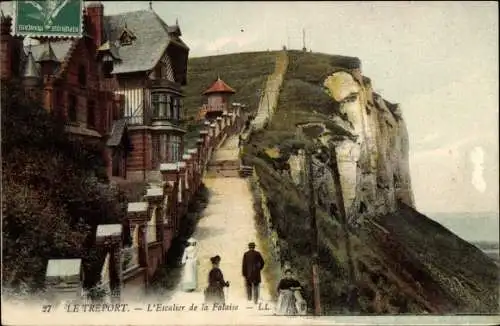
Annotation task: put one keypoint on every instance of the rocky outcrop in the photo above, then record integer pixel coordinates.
(395, 260)
(372, 150)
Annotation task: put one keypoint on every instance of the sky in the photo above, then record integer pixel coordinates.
(439, 60)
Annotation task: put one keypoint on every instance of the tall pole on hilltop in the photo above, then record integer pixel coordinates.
(314, 230)
(304, 39)
(287, 38)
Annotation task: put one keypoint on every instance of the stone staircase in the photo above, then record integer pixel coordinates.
(225, 163)
(224, 169)
(246, 171)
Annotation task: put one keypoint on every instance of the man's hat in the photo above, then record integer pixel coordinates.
(251, 245)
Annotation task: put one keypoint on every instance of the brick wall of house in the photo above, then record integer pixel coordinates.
(83, 58)
(140, 157)
(5, 43)
(54, 92)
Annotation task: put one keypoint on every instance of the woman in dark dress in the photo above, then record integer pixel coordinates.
(214, 293)
(290, 300)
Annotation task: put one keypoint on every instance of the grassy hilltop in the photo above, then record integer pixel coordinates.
(405, 262)
(246, 73)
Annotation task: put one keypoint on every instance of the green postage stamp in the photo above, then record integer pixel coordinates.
(58, 18)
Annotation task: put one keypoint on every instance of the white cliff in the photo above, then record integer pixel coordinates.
(373, 165)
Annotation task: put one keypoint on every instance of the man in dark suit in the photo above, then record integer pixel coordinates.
(252, 264)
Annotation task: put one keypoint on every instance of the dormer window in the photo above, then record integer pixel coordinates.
(126, 37)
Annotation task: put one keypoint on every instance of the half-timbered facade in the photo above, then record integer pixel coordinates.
(145, 61)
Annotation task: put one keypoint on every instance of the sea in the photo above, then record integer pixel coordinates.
(479, 228)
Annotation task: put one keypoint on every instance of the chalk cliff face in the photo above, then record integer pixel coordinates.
(371, 149)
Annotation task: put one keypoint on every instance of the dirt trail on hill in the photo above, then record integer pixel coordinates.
(269, 101)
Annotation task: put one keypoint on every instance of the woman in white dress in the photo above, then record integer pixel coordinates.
(190, 262)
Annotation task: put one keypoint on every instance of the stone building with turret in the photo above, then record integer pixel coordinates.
(119, 84)
(67, 80)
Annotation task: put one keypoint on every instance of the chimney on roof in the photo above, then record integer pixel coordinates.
(95, 14)
(7, 47)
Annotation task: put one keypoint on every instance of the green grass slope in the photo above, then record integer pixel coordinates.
(246, 73)
(405, 262)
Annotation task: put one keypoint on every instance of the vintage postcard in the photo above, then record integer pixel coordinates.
(299, 163)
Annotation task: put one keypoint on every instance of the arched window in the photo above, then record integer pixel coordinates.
(72, 108)
(82, 76)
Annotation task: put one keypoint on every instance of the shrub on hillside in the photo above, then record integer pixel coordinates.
(54, 194)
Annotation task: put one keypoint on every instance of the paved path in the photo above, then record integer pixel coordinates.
(225, 229)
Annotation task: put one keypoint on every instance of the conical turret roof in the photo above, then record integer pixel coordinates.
(219, 86)
(30, 67)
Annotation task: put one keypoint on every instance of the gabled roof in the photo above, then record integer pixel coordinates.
(152, 38)
(219, 86)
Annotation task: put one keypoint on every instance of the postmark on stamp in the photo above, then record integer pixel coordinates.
(51, 18)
